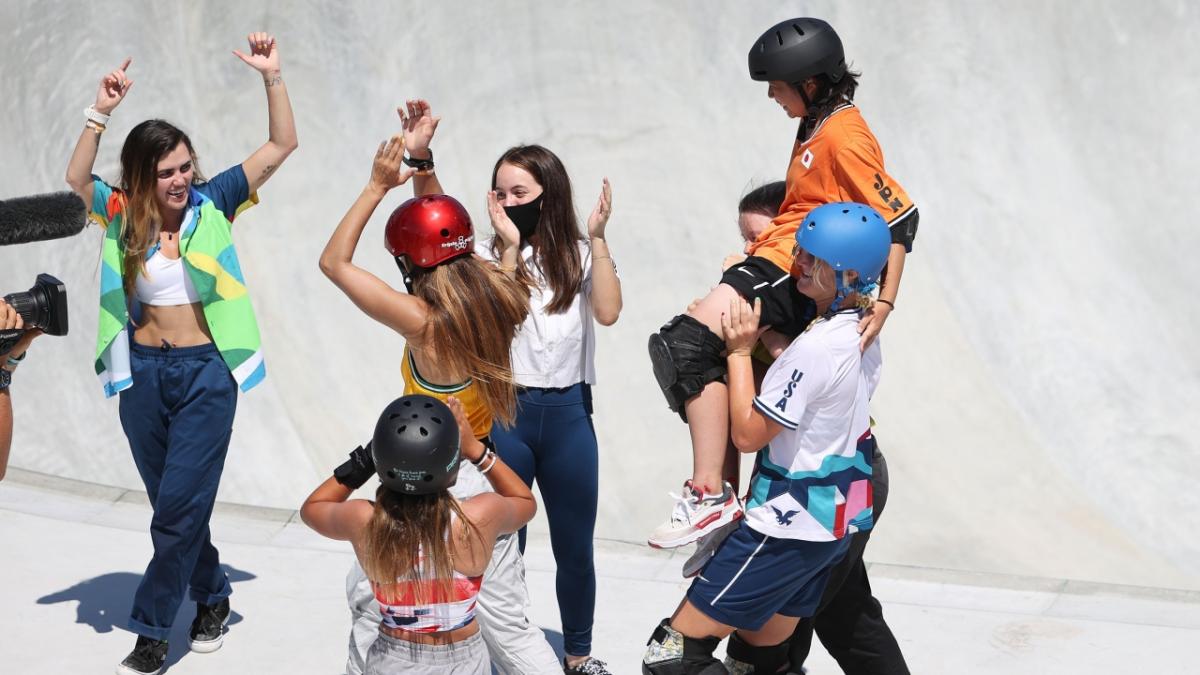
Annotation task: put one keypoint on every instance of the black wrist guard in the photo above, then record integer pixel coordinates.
(356, 471)
(419, 164)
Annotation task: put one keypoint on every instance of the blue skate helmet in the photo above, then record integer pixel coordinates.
(848, 236)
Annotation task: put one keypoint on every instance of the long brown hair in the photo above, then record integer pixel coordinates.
(144, 147)
(408, 538)
(474, 313)
(556, 248)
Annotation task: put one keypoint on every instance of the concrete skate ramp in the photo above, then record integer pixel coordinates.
(1039, 375)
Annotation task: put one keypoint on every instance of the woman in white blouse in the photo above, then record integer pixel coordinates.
(574, 283)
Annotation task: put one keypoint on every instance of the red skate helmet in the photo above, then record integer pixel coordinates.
(429, 230)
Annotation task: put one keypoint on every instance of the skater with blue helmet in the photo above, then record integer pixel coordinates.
(835, 158)
(811, 487)
(849, 620)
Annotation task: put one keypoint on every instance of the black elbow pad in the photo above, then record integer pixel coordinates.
(904, 229)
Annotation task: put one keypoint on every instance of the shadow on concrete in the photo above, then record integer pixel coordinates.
(105, 601)
(555, 639)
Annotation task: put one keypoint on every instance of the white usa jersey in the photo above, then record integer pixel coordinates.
(813, 480)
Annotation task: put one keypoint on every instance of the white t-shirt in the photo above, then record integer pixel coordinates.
(813, 480)
(553, 350)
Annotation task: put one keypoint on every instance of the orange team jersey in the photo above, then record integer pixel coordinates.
(840, 162)
(467, 393)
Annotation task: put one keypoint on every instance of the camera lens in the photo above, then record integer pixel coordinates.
(29, 306)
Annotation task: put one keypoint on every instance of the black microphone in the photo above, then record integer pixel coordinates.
(41, 217)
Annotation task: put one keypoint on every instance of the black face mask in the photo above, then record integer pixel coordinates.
(526, 216)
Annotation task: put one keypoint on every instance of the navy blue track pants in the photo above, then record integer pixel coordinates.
(178, 417)
(554, 443)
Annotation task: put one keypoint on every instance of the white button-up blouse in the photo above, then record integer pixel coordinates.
(553, 351)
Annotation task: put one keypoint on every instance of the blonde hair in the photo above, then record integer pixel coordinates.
(409, 538)
(146, 144)
(474, 313)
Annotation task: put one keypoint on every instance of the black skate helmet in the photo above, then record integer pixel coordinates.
(416, 446)
(796, 50)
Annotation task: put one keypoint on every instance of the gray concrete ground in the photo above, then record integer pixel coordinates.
(75, 553)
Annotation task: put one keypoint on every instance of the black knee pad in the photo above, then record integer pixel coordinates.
(743, 657)
(670, 653)
(686, 355)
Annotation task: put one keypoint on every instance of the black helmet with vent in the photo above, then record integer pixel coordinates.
(797, 49)
(416, 446)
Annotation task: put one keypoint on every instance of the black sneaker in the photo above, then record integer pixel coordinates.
(208, 628)
(591, 666)
(147, 658)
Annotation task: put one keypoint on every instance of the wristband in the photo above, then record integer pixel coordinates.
(889, 303)
(96, 116)
(485, 458)
(16, 361)
(420, 164)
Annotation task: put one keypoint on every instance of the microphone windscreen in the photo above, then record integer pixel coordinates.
(41, 217)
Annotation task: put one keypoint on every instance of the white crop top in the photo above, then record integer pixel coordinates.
(165, 282)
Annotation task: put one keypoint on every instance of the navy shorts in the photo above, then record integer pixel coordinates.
(753, 577)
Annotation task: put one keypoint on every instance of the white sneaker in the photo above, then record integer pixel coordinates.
(695, 515)
(707, 546)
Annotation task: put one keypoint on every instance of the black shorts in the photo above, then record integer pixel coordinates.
(785, 309)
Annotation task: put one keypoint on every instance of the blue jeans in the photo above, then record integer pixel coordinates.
(178, 417)
(554, 443)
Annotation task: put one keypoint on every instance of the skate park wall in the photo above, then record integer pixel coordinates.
(1038, 371)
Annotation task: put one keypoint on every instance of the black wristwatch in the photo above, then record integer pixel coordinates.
(420, 164)
(5, 378)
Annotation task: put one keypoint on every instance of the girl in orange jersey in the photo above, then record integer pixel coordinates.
(835, 158)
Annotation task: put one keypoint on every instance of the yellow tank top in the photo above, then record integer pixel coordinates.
(466, 392)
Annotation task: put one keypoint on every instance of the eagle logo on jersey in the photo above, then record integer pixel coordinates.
(781, 404)
(784, 517)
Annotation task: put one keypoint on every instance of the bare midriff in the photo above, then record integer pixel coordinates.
(176, 325)
(440, 638)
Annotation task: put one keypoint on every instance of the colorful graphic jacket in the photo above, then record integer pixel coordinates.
(206, 247)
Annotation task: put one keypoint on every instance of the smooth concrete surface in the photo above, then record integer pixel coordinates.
(76, 554)
(1039, 367)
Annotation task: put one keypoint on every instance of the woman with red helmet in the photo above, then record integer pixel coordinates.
(458, 320)
(574, 283)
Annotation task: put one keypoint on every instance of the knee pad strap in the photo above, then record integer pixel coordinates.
(743, 658)
(686, 356)
(669, 652)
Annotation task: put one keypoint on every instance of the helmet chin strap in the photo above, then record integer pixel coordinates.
(405, 275)
(841, 293)
(843, 290)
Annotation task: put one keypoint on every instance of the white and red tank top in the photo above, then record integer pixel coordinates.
(441, 609)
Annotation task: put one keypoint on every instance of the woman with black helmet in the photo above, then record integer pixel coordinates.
(424, 551)
(834, 158)
(458, 321)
